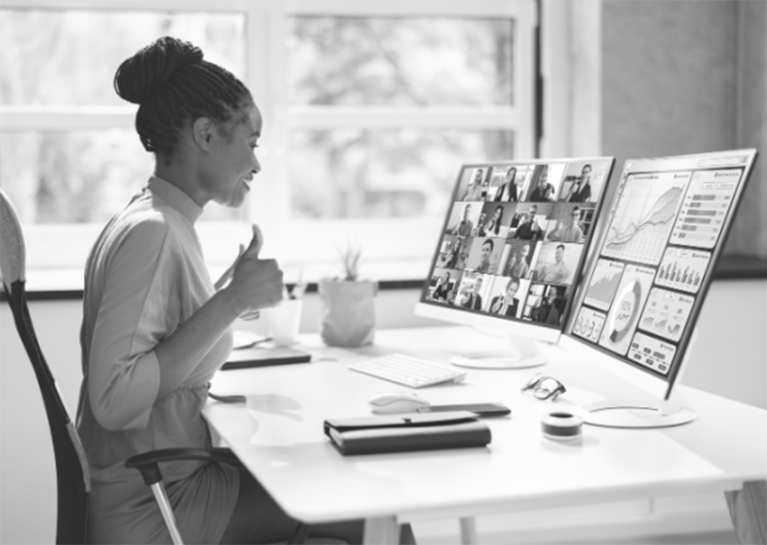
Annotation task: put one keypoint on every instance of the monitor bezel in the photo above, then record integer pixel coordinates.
(481, 320)
(660, 387)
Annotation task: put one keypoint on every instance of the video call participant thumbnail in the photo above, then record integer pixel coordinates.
(443, 282)
(508, 190)
(465, 225)
(580, 189)
(506, 303)
(494, 226)
(518, 265)
(487, 258)
(470, 292)
(557, 262)
(457, 254)
(550, 307)
(528, 227)
(568, 228)
(477, 188)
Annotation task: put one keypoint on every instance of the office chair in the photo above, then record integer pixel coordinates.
(72, 474)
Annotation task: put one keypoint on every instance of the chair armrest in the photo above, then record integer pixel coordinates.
(147, 462)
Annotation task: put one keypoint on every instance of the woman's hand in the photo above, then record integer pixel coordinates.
(256, 283)
(256, 243)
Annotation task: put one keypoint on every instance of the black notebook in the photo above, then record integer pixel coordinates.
(402, 433)
(261, 356)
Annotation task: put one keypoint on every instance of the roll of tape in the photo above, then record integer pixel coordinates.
(561, 425)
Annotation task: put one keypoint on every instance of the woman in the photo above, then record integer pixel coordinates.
(442, 288)
(548, 311)
(479, 230)
(506, 303)
(509, 187)
(454, 255)
(544, 190)
(581, 190)
(154, 329)
(493, 227)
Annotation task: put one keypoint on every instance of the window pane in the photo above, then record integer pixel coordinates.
(70, 57)
(400, 61)
(353, 173)
(77, 177)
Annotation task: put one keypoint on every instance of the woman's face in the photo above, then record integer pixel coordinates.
(228, 167)
(512, 290)
(551, 296)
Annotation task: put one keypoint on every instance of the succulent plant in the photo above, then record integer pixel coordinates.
(350, 261)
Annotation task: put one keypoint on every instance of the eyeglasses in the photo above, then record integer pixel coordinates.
(544, 387)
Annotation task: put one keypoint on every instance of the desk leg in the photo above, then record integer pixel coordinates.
(383, 531)
(748, 511)
(468, 531)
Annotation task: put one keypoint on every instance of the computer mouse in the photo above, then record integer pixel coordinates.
(399, 402)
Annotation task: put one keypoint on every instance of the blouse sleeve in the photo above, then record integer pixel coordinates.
(123, 370)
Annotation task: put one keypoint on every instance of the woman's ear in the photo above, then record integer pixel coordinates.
(202, 133)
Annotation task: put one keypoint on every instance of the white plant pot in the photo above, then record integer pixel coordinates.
(347, 311)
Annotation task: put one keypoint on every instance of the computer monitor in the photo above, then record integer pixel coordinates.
(646, 280)
(511, 249)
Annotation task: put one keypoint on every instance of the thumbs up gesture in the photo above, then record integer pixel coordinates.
(255, 283)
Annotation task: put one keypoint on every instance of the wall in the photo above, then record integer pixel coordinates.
(728, 360)
(669, 86)
(655, 78)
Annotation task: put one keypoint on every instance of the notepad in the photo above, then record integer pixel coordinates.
(402, 433)
(262, 356)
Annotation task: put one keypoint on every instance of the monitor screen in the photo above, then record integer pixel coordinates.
(651, 266)
(513, 241)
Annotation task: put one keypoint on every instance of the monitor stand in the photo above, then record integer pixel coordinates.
(636, 413)
(522, 353)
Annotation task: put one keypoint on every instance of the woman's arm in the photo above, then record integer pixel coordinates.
(139, 352)
(256, 285)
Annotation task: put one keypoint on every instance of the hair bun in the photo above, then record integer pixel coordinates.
(140, 76)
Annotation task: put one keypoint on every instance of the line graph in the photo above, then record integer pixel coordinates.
(644, 217)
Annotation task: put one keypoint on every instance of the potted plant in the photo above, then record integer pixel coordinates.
(347, 303)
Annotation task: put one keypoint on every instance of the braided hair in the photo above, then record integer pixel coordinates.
(173, 85)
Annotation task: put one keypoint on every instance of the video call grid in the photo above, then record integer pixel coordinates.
(514, 237)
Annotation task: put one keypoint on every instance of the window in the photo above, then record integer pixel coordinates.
(369, 109)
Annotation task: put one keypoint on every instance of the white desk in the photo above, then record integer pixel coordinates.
(280, 440)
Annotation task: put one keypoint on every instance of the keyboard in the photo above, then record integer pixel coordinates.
(408, 371)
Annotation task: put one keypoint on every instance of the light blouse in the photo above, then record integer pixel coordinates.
(144, 277)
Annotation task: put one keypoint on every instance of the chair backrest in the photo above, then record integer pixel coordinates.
(71, 465)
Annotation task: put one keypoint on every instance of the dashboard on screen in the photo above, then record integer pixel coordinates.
(646, 280)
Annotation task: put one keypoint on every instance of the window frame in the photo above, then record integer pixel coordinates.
(394, 253)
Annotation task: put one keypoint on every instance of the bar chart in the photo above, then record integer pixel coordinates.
(705, 208)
